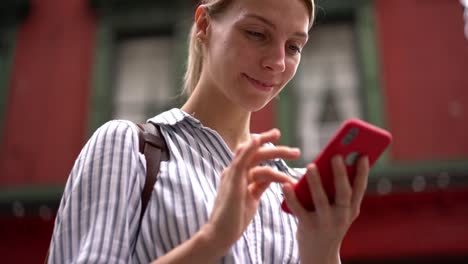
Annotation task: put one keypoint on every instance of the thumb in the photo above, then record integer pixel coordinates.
(291, 200)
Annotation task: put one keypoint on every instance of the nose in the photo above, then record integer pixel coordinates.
(274, 59)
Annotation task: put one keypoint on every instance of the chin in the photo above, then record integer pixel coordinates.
(252, 101)
(254, 106)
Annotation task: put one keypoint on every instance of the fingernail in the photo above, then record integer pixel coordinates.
(295, 150)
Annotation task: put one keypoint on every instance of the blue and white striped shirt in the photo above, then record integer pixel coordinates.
(98, 217)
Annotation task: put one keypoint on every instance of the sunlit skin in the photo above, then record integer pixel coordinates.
(250, 52)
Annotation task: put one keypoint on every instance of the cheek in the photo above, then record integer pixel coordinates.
(237, 50)
(291, 68)
(226, 49)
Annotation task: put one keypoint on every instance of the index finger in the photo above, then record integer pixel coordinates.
(265, 153)
(246, 151)
(271, 135)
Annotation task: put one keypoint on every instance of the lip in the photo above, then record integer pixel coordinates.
(259, 85)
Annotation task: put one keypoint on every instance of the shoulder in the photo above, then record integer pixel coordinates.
(111, 155)
(116, 131)
(115, 137)
(116, 127)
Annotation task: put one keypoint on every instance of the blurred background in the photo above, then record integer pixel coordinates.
(66, 67)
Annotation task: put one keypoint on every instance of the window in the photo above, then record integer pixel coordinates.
(143, 79)
(139, 59)
(327, 86)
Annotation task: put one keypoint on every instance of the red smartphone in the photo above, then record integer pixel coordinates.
(354, 139)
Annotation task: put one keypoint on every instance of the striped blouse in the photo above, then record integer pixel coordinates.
(98, 217)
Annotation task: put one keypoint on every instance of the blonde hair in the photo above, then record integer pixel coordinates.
(195, 56)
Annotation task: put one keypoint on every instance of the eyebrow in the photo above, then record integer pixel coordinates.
(269, 23)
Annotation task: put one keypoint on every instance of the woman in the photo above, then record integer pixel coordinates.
(218, 197)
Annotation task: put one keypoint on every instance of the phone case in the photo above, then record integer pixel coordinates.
(354, 139)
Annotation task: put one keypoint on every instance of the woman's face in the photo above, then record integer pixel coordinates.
(252, 50)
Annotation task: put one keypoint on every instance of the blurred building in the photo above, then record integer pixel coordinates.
(66, 67)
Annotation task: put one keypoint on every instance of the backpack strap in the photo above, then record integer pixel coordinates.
(153, 146)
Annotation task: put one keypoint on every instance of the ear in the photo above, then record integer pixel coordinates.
(202, 20)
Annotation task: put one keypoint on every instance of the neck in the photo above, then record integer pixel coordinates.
(231, 122)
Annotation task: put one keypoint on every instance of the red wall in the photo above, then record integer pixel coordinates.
(424, 57)
(403, 225)
(48, 97)
(24, 240)
(265, 119)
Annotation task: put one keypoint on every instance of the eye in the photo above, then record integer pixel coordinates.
(256, 34)
(294, 49)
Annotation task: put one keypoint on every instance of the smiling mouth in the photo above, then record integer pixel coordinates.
(259, 84)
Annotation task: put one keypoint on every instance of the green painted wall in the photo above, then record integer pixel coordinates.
(12, 12)
(7, 50)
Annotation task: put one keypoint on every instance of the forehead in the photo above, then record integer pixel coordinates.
(287, 14)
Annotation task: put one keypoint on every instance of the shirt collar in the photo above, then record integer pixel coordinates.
(172, 117)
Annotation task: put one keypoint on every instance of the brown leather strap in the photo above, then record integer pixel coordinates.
(153, 146)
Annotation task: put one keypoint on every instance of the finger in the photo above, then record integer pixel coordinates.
(343, 189)
(319, 196)
(271, 135)
(258, 188)
(292, 181)
(245, 151)
(292, 202)
(360, 181)
(274, 152)
(262, 174)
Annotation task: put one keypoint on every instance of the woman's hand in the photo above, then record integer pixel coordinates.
(321, 232)
(241, 186)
